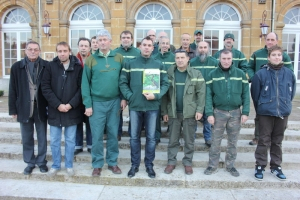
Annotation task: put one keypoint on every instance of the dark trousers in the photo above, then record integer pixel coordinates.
(79, 134)
(27, 131)
(256, 130)
(271, 130)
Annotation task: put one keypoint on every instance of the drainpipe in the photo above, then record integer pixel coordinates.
(273, 14)
(39, 26)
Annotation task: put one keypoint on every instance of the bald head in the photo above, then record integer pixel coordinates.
(162, 34)
(152, 35)
(271, 40)
(185, 41)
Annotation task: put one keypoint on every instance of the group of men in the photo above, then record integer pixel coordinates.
(97, 84)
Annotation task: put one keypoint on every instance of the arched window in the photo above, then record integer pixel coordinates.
(152, 16)
(291, 38)
(219, 20)
(85, 21)
(15, 33)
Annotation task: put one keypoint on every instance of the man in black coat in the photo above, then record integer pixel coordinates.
(61, 86)
(27, 104)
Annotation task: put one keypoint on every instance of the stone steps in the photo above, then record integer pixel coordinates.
(12, 165)
(13, 169)
(200, 159)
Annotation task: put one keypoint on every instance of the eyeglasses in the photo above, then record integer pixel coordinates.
(152, 35)
(34, 50)
(180, 51)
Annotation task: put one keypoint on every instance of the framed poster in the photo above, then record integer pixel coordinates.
(49, 56)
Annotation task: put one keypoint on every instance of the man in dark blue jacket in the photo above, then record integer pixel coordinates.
(61, 86)
(273, 89)
(28, 105)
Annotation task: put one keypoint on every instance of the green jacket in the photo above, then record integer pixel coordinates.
(204, 67)
(194, 94)
(260, 58)
(193, 45)
(227, 93)
(100, 78)
(239, 60)
(131, 83)
(167, 59)
(128, 53)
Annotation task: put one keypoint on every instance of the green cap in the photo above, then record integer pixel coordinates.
(198, 31)
(229, 35)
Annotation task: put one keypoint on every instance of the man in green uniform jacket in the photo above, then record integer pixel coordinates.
(128, 52)
(227, 90)
(239, 59)
(168, 59)
(143, 106)
(205, 64)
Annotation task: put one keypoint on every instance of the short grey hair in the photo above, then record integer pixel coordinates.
(104, 33)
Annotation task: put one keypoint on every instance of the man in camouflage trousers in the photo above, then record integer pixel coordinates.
(227, 89)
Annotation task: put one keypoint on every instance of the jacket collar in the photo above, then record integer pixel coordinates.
(23, 62)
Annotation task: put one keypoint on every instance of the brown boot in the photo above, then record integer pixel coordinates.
(169, 169)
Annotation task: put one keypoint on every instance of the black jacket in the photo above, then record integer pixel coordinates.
(62, 86)
(19, 94)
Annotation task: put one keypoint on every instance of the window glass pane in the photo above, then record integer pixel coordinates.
(17, 16)
(292, 16)
(221, 12)
(154, 12)
(87, 12)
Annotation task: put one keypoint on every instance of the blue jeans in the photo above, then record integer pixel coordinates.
(136, 119)
(79, 134)
(55, 143)
(206, 128)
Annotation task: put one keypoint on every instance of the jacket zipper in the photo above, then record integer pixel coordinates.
(277, 94)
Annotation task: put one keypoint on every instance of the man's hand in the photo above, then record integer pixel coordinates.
(149, 96)
(244, 118)
(211, 120)
(68, 106)
(14, 116)
(88, 112)
(166, 118)
(123, 104)
(62, 108)
(198, 116)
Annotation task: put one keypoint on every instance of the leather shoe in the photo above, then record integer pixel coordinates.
(132, 172)
(188, 170)
(169, 169)
(28, 170)
(115, 169)
(77, 151)
(151, 172)
(96, 172)
(89, 150)
(43, 168)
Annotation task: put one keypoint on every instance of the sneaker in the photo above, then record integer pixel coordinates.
(70, 171)
(278, 173)
(259, 173)
(210, 171)
(52, 172)
(233, 171)
(254, 141)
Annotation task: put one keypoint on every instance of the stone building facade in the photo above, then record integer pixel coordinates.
(70, 19)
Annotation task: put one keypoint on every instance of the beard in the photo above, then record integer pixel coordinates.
(203, 57)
